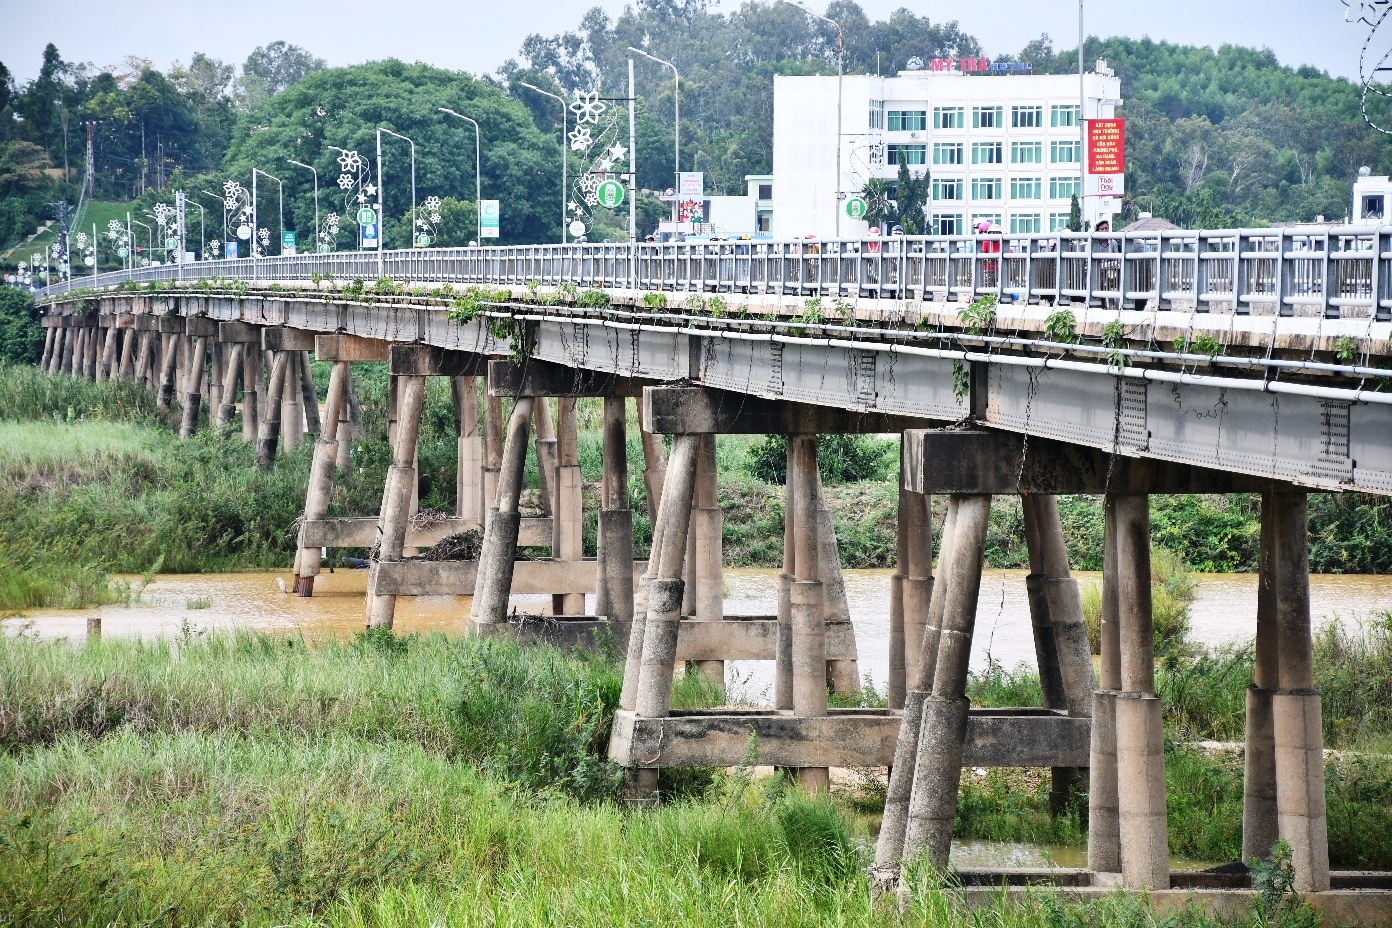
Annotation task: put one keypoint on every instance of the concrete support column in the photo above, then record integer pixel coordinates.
(547, 462)
(661, 626)
(1298, 731)
(492, 449)
(654, 470)
(1140, 745)
(217, 372)
(110, 347)
(783, 650)
(310, 396)
(232, 373)
(251, 391)
(468, 486)
(1104, 837)
(55, 360)
(93, 353)
(889, 850)
(568, 520)
(942, 737)
(349, 417)
(843, 675)
(705, 583)
(396, 499)
(268, 437)
(1259, 829)
(167, 370)
(79, 352)
(69, 341)
(49, 333)
(126, 368)
(806, 598)
(615, 524)
(321, 479)
(291, 403)
(499, 551)
(1060, 635)
(144, 358)
(918, 581)
(193, 398)
(628, 698)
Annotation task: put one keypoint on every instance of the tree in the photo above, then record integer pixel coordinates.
(911, 197)
(880, 208)
(270, 69)
(1075, 215)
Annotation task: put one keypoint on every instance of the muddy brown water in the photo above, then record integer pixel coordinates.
(1224, 612)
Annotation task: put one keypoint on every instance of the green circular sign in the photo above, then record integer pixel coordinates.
(171, 243)
(422, 240)
(366, 216)
(856, 207)
(610, 194)
(122, 252)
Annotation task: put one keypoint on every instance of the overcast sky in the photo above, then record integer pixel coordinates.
(478, 36)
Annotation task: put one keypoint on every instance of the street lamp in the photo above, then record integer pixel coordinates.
(676, 123)
(840, 79)
(478, 175)
(202, 246)
(223, 201)
(149, 236)
(565, 160)
(382, 184)
(316, 197)
(255, 225)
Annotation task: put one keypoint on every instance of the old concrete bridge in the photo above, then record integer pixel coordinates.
(1230, 361)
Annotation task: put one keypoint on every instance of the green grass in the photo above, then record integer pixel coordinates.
(101, 212)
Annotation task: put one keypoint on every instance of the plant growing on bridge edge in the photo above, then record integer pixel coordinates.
(385, 286)
(980, 314)
(961, 381)
(593, 299)
(1062, 327)
(1346, 349)
(1114, 340)
(655, 300)
(716, 307)
(1204, 344)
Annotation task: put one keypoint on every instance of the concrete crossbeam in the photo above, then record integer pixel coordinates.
(239, 333)
(433, 361)
(361, 532)
(843, 738)
(984, 461)
(701, 410)
(457, 578)
(171, 324)
(200, 326)
(350, 348)
(284, 338)
(547, 378)
(749, 638)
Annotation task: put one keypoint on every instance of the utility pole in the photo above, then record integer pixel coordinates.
(1082, 120)
(89, 188)
(633, 176)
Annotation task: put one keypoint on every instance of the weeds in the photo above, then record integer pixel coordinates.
(1061, 327)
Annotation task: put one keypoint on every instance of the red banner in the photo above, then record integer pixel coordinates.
(1106, 146)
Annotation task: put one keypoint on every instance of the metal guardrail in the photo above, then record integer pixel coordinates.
(1329, 272)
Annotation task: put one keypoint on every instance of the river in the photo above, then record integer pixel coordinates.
(1223, 612)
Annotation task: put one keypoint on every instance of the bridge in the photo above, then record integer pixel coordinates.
(1031, 365)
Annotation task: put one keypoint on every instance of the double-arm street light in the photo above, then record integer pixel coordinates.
(255, 227)
(224, 211)
(149, 237)
(840, 79)
(565, 160)
(478, 172)
(676, 125)
(382, 184)
(316, 197)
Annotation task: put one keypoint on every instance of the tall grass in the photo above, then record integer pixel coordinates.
(1172, 590)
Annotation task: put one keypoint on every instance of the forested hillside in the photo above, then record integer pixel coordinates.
(1214, 137)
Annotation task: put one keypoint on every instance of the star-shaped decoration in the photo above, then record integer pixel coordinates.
(617, 152)
(370, 189)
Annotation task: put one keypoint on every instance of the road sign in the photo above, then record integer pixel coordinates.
(369, 235)
(122, 252)
(691, 184)
(856, 207)
(422, 240)
(366, 216)
(288, 243)
(610, 194)
(488, 218)
(171, 242)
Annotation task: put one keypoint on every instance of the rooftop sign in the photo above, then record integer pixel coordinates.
(970, 65)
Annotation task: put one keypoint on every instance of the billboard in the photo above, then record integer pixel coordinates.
(1106, 157)
(691, 185)
(488, 218)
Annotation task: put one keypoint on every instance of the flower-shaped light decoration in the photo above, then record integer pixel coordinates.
(580, 138)
(327, 233)
(1373, 14)
(264, 237)
(350, 161)
(214, 247)
(588, 107)
(356, 184)
(428, 222)
(346, 181)
(114, 230)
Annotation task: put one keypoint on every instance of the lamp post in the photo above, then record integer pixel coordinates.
(382, 184)
(201, 237)
(316, 197)
(223, 201)
(840, 80)
(149, 236)
(478, 174)
(254, 223)
(565, 160)
(1082, 119)
(676, 123)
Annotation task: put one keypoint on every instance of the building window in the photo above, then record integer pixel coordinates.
(907, 154)
(1064, 188)
(947, 224)
(1027, 117)
(1064, 116)
(1058, 221)
(1064, 152)
(908, 120)
(1026, 152)
(987, 188)
(987, 153)
(947, 189)
(877, 114)
(1026, 188)
(764, 223)
(987, 117)
(1025, 223)
(949, 117)
(947, 152)
(992, 220)
(766, 191)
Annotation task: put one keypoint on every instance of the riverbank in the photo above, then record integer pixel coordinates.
(274, 780)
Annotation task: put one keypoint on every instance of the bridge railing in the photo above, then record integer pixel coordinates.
(1329, 272)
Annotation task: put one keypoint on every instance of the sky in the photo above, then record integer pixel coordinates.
(478, 36)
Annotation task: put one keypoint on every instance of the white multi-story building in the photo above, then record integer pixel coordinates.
(1000, 148)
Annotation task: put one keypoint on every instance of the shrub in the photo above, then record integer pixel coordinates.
(21, 338)
(840, 458)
